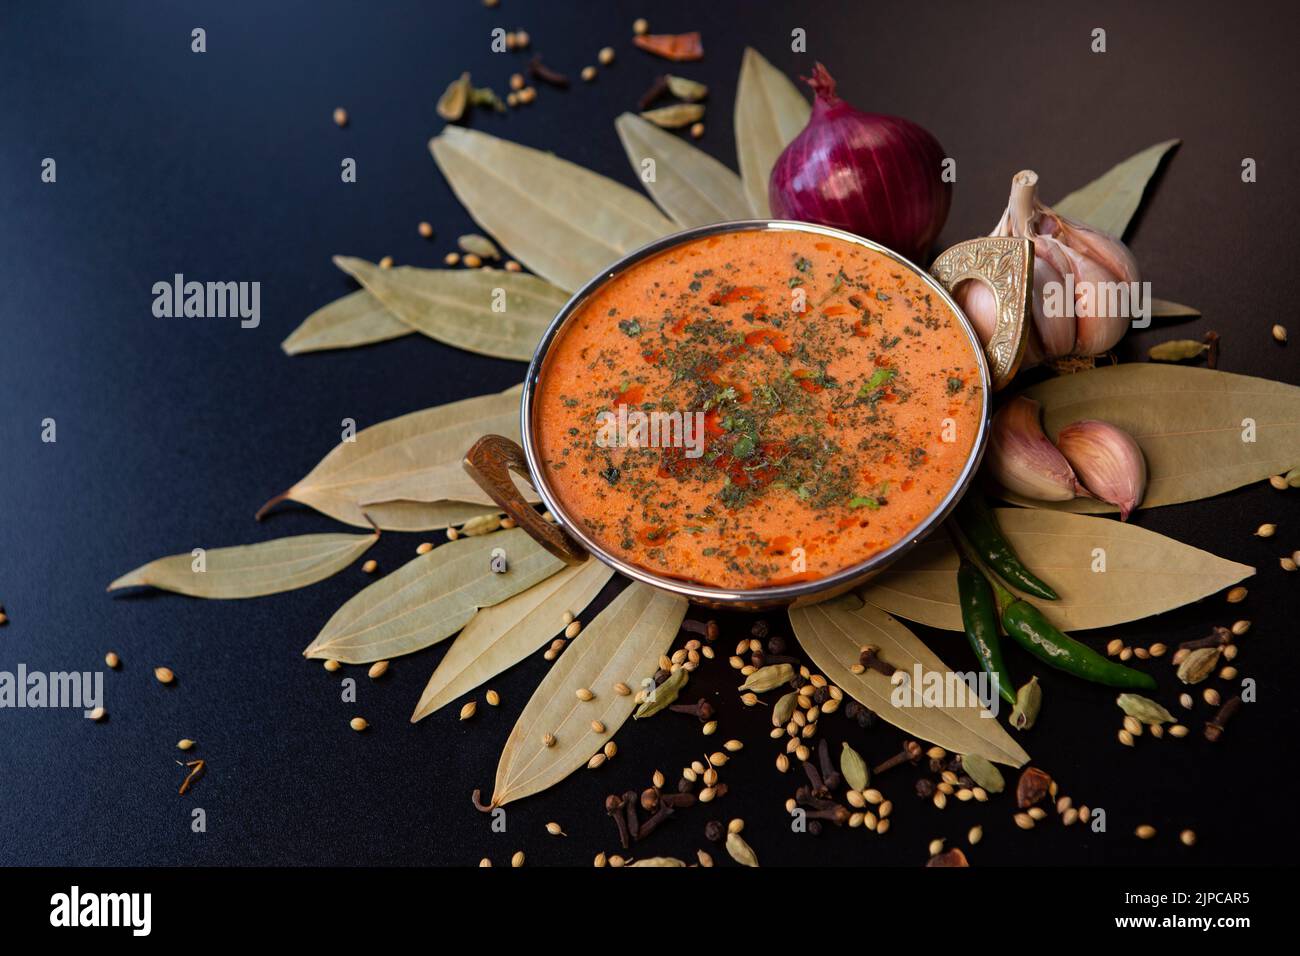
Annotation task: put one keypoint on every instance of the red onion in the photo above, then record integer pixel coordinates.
(877, 176)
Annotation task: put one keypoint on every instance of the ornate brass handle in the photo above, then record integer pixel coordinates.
(1006, 265)
(489, 462)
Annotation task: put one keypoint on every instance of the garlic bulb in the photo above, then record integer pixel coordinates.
(1108, 460)
(1023, 461)
(1078, 306)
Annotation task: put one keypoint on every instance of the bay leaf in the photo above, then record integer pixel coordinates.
(431, 598)
(391, 461)
(488, 311)
(356, 319)
(563, 222)
(1163, 309)
(423, 515)
(1187, 420)
(832, 634)
(252, 570)
(623, 643)
(689, 184)
(1109, 201)
(769, 113)
(1146, 573)
(499, 637)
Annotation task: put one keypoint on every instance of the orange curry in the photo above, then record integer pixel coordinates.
(811, 403)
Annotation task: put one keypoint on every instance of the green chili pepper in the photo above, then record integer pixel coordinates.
(980, 526)
(1027, 626)
(979, 615)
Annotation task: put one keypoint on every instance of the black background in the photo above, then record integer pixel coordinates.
(225, 166)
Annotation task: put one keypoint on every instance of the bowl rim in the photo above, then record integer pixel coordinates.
(840, 580)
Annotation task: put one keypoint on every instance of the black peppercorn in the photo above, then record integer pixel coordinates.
(776, 645)
(714, 831)
(925, 788)
(759, 630)
(815, 827)
(821, 695)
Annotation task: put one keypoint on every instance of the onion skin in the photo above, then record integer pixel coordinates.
(874, 175)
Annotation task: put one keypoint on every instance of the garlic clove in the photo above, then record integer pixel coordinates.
(1108, 460)
(1055, 327)
(1099, 318)
(1021, 458)
(976, 300)
(1069, 251)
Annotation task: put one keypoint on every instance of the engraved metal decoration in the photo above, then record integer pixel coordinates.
(1006, 265)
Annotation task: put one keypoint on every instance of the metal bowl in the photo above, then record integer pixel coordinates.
(1005, 264)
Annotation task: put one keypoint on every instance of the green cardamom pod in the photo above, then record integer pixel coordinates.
(741, 851)
(768, 678)
(481, 246)
(675, 116)
(784, 709)
(1178, 350)
(483, 524)
(854, 769)
(684, 89)
(1029, 700)
(663, 695)
(1144, 709)
(983, 773)
(1199, 664)
(658, 861)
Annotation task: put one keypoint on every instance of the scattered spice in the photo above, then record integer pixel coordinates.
(112, 660)
(1237, 595)
(1145, 831)
(358, 724)
(1214, 727)
(340, 116)
(1187, 838)
(493, 698)
(675, 116)
(588, 74)
(98, 714)
(468, 710)
(741, 851)
(386, 262)
(478, 245)
(425, 229)
(679, 47)
(184, 744)
(455, 99)
(370, 566)
(606, 56)
(1032, 787)
(1279, 333)
(547, 75)
(640, 27)
(196, 770)
(953, 857)
(689, 90)
(164, 675)
(517, 860)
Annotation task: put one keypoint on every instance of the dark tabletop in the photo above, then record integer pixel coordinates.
(225, 166)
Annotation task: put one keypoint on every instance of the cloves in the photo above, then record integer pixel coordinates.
(651, 824)
(831, 777)
(544, 73)
(869, 658)
(701, 709)
(614, 807)
(1215, 726)
(910, 753)
(630, 816)
(1216, 638)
